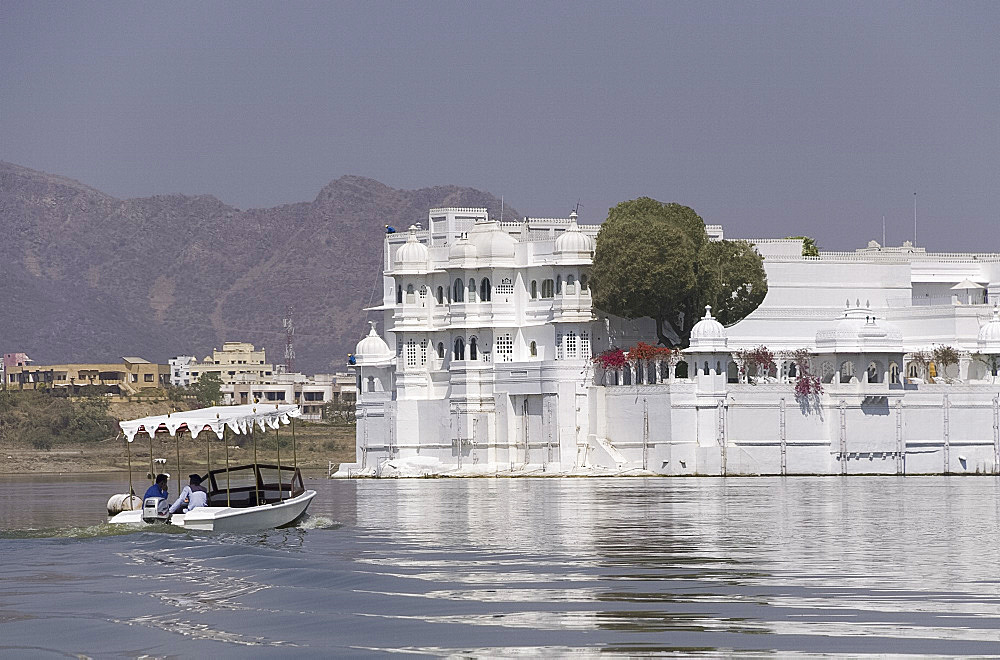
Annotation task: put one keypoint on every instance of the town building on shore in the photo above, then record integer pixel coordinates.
(130, 376)
(247, 377)
(316, 395)
(485, 363)
(236, 361)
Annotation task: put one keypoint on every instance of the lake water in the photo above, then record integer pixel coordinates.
(789, 566)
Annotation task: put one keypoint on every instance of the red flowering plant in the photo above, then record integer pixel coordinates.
(760, 358)
(806, 384)
(611, 359)
(644, 352)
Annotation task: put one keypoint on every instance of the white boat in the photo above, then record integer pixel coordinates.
(230, 519)
(240, 498)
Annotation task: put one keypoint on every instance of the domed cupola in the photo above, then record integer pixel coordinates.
(708, 335)
(412, 255)
(858, 330)
(492, 243)
(462, 252)
(573, 243)
(989, 334)
(372, 350)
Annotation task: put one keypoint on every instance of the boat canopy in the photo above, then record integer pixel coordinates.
(238, 418)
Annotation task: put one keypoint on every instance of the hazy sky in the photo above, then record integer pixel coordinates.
(769, 118)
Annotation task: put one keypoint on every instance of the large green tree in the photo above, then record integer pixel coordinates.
(655, 259)
(208, 389)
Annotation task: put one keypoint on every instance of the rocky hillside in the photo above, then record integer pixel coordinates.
(87, 277)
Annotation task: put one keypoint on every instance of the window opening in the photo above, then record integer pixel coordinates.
(505, 348)
(411, 353)
(570, 340)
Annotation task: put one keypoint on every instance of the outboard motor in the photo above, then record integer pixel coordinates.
(155, 510)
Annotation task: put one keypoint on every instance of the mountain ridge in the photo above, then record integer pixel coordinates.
(88, 277)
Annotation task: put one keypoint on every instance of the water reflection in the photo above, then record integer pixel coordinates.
(530, 566)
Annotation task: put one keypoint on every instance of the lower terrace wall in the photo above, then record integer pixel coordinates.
(679, 429)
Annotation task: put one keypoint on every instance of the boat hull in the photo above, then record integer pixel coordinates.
(231, 519)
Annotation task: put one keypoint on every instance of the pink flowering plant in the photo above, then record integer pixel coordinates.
(760, 358)
(806, 384)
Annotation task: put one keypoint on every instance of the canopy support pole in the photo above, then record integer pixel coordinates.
(225, 441)
(131, 491)
(295, 458)
(277, 443)
(256, 470)
(152, 473)
(177, 444)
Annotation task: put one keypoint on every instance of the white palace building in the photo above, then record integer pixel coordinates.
(484, 364)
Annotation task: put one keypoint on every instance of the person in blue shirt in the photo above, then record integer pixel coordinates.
(158, 489)
(351, 359)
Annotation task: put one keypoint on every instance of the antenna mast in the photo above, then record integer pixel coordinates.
(289, 341)
(914, 219)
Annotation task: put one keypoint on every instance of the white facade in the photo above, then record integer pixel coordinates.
(180, 370)
(311, 393)
(486, 365)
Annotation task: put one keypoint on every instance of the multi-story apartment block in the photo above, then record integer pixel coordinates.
(126, 377)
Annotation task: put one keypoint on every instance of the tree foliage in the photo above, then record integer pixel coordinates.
(208, 389)
(43, 421)
(809, 247)
(655, 259)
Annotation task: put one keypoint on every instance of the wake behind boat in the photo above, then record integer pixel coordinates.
(239, 498)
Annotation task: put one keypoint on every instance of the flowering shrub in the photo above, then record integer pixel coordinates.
(645, 352)
(806, 386)
(611, 359)
(760, 358)
(805, 383)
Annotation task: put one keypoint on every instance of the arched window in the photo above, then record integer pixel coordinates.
(681, 370)
(873, 371)
(732, 372)
(459, 353)
(718, 368)
(440, 350)
(570, 281)
(458, 292)
(409, 293)
(583, 282)
(440, 295)
(534, 289)
(558, 283)
(534, 347)
(846, 371)
(894, 373)
(472, 290)
(472, 348)
(371, 383)
(399, 294)
(484, 290)
(706, 368)
(548, 286)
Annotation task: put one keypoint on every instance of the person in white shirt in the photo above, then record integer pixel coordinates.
(194, 495)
